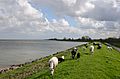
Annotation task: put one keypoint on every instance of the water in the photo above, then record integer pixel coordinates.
(16, 52)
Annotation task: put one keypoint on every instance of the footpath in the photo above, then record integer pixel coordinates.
(117, 48)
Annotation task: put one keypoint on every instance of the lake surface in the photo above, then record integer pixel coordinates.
(16, 52)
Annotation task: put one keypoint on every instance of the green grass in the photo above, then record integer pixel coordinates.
(103, 64)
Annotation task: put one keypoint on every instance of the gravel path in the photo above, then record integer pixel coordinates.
(117, 48)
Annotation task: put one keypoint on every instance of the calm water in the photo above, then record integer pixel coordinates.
(16, 52)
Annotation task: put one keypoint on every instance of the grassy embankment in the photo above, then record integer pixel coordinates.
(103, 64)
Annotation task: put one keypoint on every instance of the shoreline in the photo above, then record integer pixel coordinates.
(5, 67)
(15, 66)
(27, 52)
(40, 66)
(9, 66)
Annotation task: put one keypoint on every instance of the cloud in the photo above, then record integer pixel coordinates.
(96, 18)
(62, 26)
(26, 19)
(20, 17)
(65, 7)
(103, 11)
(99, 27)
(96, 9)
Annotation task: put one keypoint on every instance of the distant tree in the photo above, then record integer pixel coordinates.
(69, 39)
(86, 38)
(64, 38)
(55, 38)
(72, 38)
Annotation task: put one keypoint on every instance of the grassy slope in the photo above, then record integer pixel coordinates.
(103, 64)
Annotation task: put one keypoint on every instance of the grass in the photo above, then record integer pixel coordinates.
(103, 64)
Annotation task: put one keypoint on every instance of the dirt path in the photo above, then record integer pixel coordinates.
(117, 48)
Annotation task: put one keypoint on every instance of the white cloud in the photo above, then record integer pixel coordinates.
(69, 2)
(62, 26)
(95, 9)
(98, 18)
(20, 17)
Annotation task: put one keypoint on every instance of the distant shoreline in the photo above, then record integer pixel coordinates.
(39, 59)
(8, 66)
(22, 39)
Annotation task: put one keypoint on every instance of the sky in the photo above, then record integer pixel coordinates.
(43, 19)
